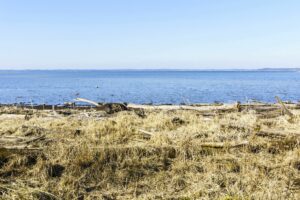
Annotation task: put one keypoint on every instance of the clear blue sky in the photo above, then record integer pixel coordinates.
(108, 34)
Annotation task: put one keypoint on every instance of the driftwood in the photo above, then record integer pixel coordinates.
(276, 134)
(108, 108)
(269, 114)
(216, 145)
(260, 108)
(12, 143)
(19, 140)
(87, 101)
(208, 108)
(284, 108)
(33, 139)
(223, 144)
(146, 134)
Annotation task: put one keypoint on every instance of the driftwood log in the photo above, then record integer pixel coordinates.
(15, 143)
(109, 108)
(277, 134)
(215, 145)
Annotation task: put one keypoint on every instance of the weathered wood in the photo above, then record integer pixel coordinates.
(33, 139)
(16, 144)
(146, 134)
(87, 101)
(216, 145)
(223, 144)
(280, 134)
(270, 114)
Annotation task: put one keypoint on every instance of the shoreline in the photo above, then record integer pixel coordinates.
(88, 104)
(113, 151)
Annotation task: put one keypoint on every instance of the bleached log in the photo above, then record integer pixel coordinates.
(87, 101)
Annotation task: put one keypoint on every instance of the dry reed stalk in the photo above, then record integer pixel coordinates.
(284, 108)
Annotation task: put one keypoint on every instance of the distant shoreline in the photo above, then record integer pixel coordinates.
(163, 69)
(75, 104)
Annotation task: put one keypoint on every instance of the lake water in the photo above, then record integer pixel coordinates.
(157, 87)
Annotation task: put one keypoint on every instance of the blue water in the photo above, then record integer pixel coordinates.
(158, 87)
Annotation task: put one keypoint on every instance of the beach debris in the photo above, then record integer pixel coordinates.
(276, 134)
(109, 108)
(19, 143)
(140, 112)
(223, 144)
(146, 134)
(87, 101)
(32, 130)
(69, 104)
(101, 153)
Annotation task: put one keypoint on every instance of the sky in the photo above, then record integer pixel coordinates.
(149, 34)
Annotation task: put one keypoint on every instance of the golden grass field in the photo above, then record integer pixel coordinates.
(213, 152)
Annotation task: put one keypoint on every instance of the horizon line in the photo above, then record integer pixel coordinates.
(152, 69)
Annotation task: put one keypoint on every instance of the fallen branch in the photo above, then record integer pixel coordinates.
(276, 134)
(223, 144)
(33, 139)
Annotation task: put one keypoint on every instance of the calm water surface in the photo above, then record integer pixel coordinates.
(158, 87)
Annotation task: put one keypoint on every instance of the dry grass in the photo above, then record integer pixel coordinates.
(92, 155)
